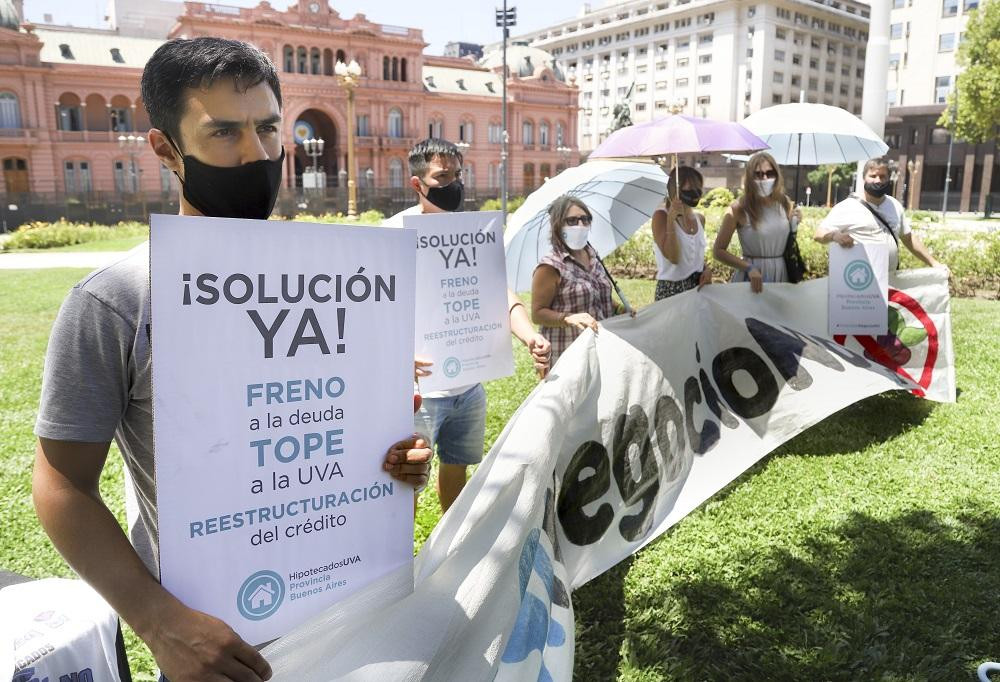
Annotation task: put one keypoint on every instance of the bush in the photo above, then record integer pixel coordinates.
(719, 197)
(40, 235)
(369, 217)
(924, 216)
(513, 203)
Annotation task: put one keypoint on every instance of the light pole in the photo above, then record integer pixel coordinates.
(131, 144)
(349, 77)
(505, 18)
(314, 149)
(564, 153)
(947, 171)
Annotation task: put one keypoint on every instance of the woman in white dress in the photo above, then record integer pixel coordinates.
(679, 236)
(762, 219)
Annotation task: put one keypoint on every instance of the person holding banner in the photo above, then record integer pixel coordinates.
(454, 420)
(216, 114)
(679, 236)
(762, 219)
(570, 288)
(875, 217)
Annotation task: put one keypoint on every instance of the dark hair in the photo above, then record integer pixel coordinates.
(880, 162)
(684, 175)
(423, 153)
(182, 63)
(557, 218)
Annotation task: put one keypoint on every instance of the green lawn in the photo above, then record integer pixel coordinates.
(123, 244)
(867, 548)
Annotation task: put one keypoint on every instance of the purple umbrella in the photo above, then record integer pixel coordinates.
(677, 134)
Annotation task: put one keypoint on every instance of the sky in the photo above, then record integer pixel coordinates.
(442, 22)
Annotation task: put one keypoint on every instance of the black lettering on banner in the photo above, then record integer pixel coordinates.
(732, 360)
(630, 431)
(268, 333)
(720, 411)
(786, 350)
(667, 414)
(300, 338)
(704, 440)
(576, 493)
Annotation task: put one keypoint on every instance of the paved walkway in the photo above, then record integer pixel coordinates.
(66, 259)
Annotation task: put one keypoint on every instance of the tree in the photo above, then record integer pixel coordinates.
(842, 177)
(977, 90)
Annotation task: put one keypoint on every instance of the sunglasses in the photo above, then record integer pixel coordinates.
(770, 175)
(575, 220)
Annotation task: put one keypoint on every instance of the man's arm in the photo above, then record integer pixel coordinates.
(521, 327)
(918, 249)
(187, 644)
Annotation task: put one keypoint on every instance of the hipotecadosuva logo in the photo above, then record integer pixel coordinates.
(261, 595)
(452, 367)
(858, 275)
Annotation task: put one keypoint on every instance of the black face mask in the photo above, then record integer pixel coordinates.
(247, 191)
(448, 198)
(691, 197)
(877, 189)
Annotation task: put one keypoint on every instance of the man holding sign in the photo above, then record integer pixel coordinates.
(455, 419)
(215, 108)
(875, 218)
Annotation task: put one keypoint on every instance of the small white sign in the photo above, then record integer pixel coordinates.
(462, 323)
(859, 289)
(282, 373)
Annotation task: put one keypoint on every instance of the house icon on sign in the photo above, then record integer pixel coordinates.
(262, 597)
(859, 276)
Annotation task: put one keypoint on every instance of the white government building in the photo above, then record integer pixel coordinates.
(721, 59)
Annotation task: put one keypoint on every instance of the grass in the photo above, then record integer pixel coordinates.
(123, 244)
(865, 548)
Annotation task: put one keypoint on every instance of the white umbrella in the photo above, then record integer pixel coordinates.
(621, 196)
(805, 134)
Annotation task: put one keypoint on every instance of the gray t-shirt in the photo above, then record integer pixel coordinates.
(96, 384)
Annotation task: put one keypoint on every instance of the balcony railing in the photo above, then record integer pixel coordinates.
(17, 135)
(92, 135)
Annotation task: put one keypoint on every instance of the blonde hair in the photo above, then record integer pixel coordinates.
(751, 203)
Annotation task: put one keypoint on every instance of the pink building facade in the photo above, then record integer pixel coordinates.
(68, 94)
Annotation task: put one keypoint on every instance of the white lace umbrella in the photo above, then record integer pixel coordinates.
(621, 196)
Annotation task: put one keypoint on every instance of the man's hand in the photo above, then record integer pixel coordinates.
(191, 646)
(420, 368)
(540, 350)
(409, 460)
(844, 239)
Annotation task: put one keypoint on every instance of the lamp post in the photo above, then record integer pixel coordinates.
(505, 19)
(131, 144)
(564, 153)
(349, 77)
(314, 149)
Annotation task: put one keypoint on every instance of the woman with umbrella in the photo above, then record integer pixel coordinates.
(570, 289)
(762, 219)
(679, 236)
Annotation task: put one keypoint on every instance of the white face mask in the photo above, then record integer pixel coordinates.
(765, 187)
(575, 237)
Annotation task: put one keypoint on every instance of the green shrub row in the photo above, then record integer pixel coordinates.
(973, 258)
(62, 233)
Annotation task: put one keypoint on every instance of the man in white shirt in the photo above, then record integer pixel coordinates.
(874, 218)
(455, 420)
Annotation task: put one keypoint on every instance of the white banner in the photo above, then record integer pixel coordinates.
(282, 372)
(634, 428)
(858, 288)
(462, 321)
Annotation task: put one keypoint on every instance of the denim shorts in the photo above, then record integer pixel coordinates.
(456, 425)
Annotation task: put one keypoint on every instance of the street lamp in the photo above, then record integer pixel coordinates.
(564, 153)
(132, 144)
(314, 149)
(349, 77)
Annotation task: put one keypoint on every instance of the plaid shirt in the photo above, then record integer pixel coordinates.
(581, 290)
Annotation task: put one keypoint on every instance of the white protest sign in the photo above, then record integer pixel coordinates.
(859, 289)
(462, 319)
(282, 373)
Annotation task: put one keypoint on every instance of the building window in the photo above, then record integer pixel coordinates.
(494, 132)
(469, 175)
(386, 69)
(465, 132)
(116, 56)
(896, 31)
(289, 53)
(813, 63)
(776, 99)
(779, 55)
(942, 86)
(65, 51)
(492, 176)
(704, 80)
(395, 123)
(543, 134)
(640, 106)
(166, 179)
(682, 63)
(681, 83)
(70, 118)
(303, 60)
(528, 133)
(946, 42)
(949, 8)
(315, 62)
(364, 128)
(780, 33)
(796, 81)
(797, 59)
(121, 119)
(778, 77)
(126, 176)
(560, 135)
(705, 39)
(436, 129)
(704, 100)
(76, 175)
(10, 111)
(970, 5)
(705, 59)
(395, 173)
